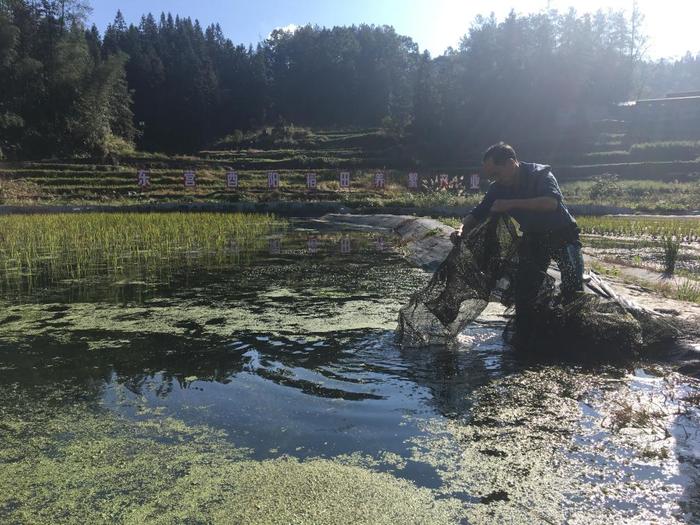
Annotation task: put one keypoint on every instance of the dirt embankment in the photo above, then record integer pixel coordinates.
(283, 208)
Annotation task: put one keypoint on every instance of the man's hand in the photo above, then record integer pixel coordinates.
(468, 224)
(501, 206)
(456, 235)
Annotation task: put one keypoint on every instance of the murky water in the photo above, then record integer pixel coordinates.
(290, 354)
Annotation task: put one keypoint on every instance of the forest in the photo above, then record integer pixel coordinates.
(170, 85)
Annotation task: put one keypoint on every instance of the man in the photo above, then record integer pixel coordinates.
(530, 194)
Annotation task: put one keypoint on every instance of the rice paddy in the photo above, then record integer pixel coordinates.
(131, 246)
(686, 229)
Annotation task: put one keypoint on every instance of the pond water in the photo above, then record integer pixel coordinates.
(137, 401)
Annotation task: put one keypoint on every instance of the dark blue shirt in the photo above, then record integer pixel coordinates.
(534, 180)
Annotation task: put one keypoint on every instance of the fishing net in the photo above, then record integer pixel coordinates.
(461, 287)
(482, 267)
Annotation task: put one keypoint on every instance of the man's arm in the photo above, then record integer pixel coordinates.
(479, 213)
(542, 204)
(468, 224)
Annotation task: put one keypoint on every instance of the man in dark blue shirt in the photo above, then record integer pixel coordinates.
(530, 194)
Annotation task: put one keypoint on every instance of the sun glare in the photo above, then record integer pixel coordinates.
(669, 25)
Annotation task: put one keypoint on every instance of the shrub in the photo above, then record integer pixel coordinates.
(115, 146)
(605, 186)
(232, 140)
(393, 126)
(688, 291)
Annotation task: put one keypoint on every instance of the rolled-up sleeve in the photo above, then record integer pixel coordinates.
(481, 210)
(548, 187)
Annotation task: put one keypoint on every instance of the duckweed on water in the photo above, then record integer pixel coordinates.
(124, 245)
(101, 320)
(537, 449)
(82, 465)
(138, 412)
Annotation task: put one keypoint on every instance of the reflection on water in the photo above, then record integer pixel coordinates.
(288, 348)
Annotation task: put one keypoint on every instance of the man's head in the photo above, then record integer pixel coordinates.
(501, 164)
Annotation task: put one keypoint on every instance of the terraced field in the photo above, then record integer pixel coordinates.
(661, 186)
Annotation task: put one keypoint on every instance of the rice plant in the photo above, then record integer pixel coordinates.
(671, 247)
(685, 229)
(688, 291)
(42, 248)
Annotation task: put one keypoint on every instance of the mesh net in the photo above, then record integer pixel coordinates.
(482, 267)
(461, 287)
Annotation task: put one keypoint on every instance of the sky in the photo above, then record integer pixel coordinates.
(671, 25)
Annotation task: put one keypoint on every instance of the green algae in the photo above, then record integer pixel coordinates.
(80, 464)
(529, 453)
(521, 454)
(507, 452)
(352, 314)
(304, 310)
(289, 491)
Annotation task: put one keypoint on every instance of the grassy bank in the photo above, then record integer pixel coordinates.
(660, 177)
(21, 186)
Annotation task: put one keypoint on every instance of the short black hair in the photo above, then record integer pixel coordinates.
(499, 153)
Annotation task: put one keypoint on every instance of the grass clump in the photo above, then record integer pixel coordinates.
(671, 247)
(688, 291)
(629, 414)
(605, 186)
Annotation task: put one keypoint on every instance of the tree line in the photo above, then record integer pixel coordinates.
(167, 84)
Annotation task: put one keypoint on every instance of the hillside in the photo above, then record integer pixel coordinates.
(647, 176)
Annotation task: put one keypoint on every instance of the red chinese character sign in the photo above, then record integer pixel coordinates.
(273, 180)
(444, 181)
(345, 179)
(379, 180)
(232, 180)
(143, 179)
(413, 181)
(311, 181)
(474, 181)
(189, 179)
